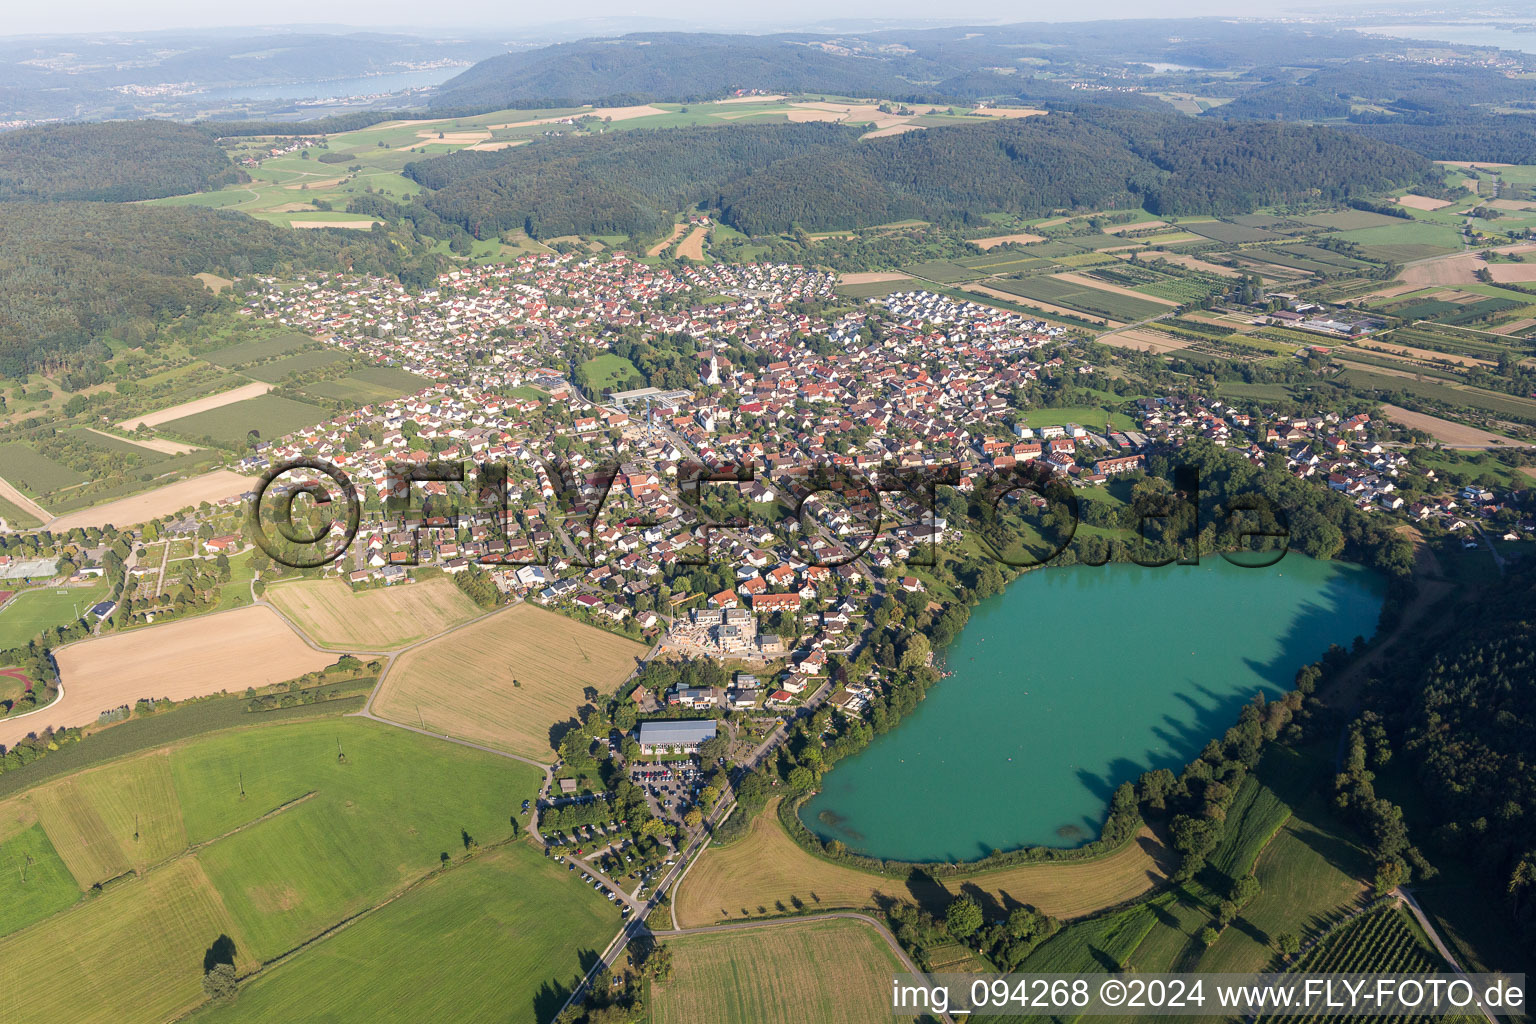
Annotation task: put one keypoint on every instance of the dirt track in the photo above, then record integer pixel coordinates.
(176, 412)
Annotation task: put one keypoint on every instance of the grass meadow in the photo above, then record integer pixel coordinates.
(831, 972)
(272, 836)
(509, 929)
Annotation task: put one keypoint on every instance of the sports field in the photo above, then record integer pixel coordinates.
(192, 657)
(767, 873)
(831, 972)
(33, 611)
(510, 929)
(333, 615)
(463, 684)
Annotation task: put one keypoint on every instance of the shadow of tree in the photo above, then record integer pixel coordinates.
(221, 952)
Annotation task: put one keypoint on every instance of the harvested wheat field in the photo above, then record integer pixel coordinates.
(1449, 433)
(333, 615)
(492, 147)
(140, 508)
(1145, 341)
(176, 412)
(1416, 202)
(873, 277)
(190, 658)
(692, 247)
(1023, 237)
(656, 249)
(1512, 273)
(1009, 112)
(833, 972)
(894, 129)
(616, 113)
(1514, 326)
(767, 873)
(1194, 263)
(213, 282)
(460, 138)
(462, 684)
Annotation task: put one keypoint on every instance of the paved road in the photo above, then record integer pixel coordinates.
(1429, 929)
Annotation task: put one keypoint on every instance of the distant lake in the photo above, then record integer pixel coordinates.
(335, 89)
(1074, 680)
(1501, 35)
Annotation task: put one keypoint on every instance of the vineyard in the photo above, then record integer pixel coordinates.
(1384, 940)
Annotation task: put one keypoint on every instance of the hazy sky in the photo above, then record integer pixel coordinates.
(84, 16)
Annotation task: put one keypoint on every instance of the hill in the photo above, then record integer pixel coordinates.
(767, 178)
(72, 274)
(668, 66)
(114, 161)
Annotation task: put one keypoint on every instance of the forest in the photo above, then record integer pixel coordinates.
(772, 178)
(112, 161)
(913, 65)
(74, 273)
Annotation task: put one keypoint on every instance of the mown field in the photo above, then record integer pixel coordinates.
(271, 836)
(831, 972)
(766, 873)
(505, 680)
(609, 372)
(510, 930)
(333, 615)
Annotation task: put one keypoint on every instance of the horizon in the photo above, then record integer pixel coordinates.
(482, 18)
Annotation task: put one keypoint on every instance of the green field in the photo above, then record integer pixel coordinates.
(270, 416)
(609, 372)
(34, 472)
(303, 362)
(369, 384)
(270, 836)
(1110, 305)
(34, 883)
(33, 611)
(1090, 417)
(1405, 232)
(264, 348)
(510, 930)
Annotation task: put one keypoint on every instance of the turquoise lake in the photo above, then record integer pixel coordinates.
(1077, 679)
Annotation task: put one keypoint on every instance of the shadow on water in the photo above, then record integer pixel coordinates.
(1334, 604)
